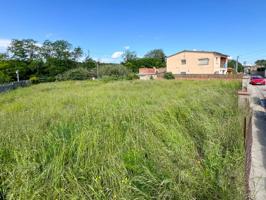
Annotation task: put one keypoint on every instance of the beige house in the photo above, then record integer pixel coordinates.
(197, 62)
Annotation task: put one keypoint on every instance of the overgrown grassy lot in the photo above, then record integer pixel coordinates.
(122, 140)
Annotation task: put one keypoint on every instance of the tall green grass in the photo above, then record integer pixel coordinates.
(122, 140)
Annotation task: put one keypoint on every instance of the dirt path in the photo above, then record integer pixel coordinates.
(258, 152)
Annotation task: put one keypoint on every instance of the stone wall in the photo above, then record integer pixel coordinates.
(205, 76)
(14, 85)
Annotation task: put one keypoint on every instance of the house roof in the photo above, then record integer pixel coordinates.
(213, 52)
(147, 71)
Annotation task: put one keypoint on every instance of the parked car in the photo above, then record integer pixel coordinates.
(257, 80)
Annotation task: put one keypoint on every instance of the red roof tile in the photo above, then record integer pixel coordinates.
(147, 71)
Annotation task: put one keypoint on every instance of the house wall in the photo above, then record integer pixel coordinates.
(192, 66)
(147, 77)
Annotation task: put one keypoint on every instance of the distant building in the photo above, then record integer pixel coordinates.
(197, 62)
(150, 73)
(257, 70)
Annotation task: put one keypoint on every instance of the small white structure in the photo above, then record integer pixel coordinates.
(150, 73)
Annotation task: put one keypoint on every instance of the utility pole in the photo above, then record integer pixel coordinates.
(245, 66)
(237, 64)
(97, 69)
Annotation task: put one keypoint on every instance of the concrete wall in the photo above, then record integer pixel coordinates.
(147, 77)
(205, 76)
(192, 66)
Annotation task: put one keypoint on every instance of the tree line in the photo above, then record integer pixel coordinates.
(44, 60)
(53, 59)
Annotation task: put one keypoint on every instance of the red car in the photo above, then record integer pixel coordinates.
(257, 80)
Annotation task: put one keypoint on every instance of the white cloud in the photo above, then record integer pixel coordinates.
(116, 57)
(117, 54)
(4, 43)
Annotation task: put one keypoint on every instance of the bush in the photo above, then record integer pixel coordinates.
(169, 75)
(88, 64)
(115, 71)
(4, 78)
(47, 79)
(109, 78)
(34, 80)
(132, 76)
(75, 74)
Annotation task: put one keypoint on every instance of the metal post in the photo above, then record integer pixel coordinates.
(245, 66)
(97, 69)
(237, 64)
(17, 72)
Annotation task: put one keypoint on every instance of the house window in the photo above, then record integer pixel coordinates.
(204, 61)
(183, 61)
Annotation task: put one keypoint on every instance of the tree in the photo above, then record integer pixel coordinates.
(24, 50)
(54, 66)
(156, 53)
(113, 70)
(3, 56)
(135, 64)
(261, 63)
(4, 78)
(232, 64)
(77, 53)
(44, 62)
(129, 55)
(89, 63)
(47, 50)
(32, 49)
(61, 49)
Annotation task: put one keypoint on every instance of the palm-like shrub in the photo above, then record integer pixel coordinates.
(169, 75)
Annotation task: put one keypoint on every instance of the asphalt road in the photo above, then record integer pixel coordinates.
(258, 151)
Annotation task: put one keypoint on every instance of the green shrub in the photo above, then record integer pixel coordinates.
(47, 79)
(135, 64)
(132, 76)
(109, 78)
(34, 80)
(74, 74)
(118, 71)
(50, 79)
(169, 75)
(4, 78)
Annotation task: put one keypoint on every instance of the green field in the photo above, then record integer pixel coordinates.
(122, 140)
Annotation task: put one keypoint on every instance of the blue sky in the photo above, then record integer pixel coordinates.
(106, 27)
